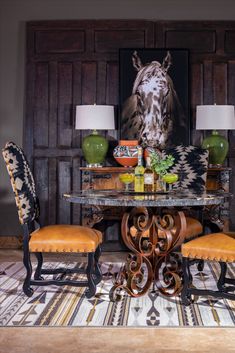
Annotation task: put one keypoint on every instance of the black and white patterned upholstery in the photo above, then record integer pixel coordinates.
(22, 182)
(191, 165)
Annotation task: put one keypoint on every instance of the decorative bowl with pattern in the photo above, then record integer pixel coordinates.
(126, 153)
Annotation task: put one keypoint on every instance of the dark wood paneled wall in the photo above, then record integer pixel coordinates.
(76, 62)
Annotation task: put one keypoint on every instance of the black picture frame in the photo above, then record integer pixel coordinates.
(178, 72)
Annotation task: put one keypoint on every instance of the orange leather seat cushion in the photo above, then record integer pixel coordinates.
(194, 228)
(215, 246)
(65, 238)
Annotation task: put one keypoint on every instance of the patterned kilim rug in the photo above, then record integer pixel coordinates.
(58, 306)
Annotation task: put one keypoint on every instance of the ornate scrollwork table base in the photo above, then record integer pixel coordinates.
(151, 235)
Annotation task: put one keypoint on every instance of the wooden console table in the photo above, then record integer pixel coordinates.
(108, 178)
(100, 179)
(219, 179)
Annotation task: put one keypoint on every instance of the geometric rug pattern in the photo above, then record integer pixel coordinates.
(68, 306)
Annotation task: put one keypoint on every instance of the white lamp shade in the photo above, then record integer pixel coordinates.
(94, 117)
(215, 117)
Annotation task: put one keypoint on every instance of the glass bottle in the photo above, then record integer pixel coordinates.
(139, 173)
(148, 177)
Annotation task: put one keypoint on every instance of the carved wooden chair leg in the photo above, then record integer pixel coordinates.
(90, 291)
(208, 247)
(37, 274)
(97, 270)
(27, 263)
(185, 296)
(221, 280)
(225, 284)
(200, 265)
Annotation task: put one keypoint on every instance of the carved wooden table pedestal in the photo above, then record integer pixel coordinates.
(152, 227)
(151, 235)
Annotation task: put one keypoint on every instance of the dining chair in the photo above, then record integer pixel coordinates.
(216, 247)
(191, 164)
(61, 238)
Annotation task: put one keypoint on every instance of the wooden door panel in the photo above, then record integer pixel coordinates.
(42, 185)
(52, 197)
(198, 41)
(109, 41)
(64, 181)
(208, 82)
(76, 185)
(229, 40)
(88, 84)
(59, 41)
(40, 122)
(112, 88)
(220, 82)
(64, 120)
(53, 103)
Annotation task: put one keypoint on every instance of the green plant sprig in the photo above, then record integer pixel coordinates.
(160, 164)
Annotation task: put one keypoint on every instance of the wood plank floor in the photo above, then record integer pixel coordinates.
(116, 340)
(111, 340)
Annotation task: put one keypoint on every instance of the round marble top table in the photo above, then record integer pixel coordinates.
(120, 198)
(153, 226)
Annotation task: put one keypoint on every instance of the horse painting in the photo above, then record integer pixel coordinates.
(153, 111)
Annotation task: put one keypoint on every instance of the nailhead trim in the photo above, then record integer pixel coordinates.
(210, 258)
(223, 259)
(84, 250)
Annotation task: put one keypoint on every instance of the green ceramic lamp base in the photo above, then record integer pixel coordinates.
(218, 148)
(94, 148)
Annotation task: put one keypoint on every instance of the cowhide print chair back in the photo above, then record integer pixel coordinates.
(52, 238)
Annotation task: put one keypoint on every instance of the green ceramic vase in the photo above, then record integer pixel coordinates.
(94, 148)
(218, 148)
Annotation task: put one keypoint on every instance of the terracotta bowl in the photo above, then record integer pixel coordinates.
(127, 161)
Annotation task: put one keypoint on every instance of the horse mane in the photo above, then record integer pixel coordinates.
(175, 111)
(132, 106)
(131, 116)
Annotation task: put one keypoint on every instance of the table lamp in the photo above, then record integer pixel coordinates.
(215, 117)
(94, 117)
